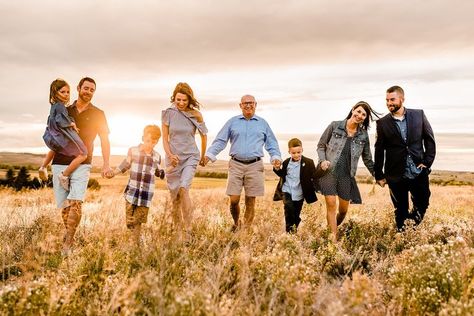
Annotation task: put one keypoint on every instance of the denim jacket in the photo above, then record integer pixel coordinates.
(333, 140)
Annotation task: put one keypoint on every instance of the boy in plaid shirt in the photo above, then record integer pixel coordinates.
(144, 164)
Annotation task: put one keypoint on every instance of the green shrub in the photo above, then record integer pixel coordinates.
(31, 299)
(428, 276)
(93, 184)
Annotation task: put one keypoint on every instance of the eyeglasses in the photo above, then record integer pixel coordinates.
(247, 103)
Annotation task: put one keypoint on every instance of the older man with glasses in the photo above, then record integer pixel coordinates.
(247, 134)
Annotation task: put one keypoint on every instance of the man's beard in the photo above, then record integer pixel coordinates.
(396, 107)
(85, 98)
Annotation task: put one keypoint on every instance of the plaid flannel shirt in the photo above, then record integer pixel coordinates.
(143, 168)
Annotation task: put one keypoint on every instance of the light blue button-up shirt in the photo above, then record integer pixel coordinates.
(411, 171)
(247, 139)
(292, 183)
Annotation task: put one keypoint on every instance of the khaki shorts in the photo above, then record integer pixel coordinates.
(250, 177)
(135, 214)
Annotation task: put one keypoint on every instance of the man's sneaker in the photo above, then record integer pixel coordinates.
(63, 181)
(43, 174)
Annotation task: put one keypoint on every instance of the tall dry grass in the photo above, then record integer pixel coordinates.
(371, 271)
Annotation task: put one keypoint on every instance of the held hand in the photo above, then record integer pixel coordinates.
(325, 164)
(382, 182)
(421, 166)
(276, 164)
(174, 159)
(73, 125)
(110, 175)
(107, 172)
(203, 162)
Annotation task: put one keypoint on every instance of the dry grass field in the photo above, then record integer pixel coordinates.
(372, 270)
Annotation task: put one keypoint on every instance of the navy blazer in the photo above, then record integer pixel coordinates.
(391, 150)
(307, 179)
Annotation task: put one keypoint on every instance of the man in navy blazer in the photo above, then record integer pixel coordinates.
(404, 152)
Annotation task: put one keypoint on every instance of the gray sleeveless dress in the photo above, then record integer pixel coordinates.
(182, 131)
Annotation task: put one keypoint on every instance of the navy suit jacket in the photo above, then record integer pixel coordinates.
(391, 150)
(307, 179)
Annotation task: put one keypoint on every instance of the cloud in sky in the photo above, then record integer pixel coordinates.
(306, 62)
(147, 35)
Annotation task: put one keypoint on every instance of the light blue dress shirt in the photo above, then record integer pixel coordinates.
(292, 183)
(247, 139)
(411, 171)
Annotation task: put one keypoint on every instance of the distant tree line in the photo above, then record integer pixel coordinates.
(22, 180)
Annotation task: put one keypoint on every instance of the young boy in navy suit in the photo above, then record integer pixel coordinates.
(297, 177)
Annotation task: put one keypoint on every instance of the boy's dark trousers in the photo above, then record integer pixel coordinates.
(420, 195)
(292, 212)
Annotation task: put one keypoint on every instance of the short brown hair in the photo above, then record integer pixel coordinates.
(153, 130)
(184, 88)
(396, 89)
(294, 142)
(55, 86)
(86, 79)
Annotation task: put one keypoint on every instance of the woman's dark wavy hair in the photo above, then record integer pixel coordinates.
(370, 113)
(184, 88)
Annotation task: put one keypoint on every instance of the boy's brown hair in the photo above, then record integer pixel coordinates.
(294, 142)
(153, 130)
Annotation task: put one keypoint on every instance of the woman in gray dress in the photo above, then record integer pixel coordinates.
(339, 150)
(179, 125)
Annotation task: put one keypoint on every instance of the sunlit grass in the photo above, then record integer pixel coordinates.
(372, 270)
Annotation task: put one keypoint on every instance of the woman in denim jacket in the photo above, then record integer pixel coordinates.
(339, 150)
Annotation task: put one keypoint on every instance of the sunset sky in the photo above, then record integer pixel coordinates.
(306, 62)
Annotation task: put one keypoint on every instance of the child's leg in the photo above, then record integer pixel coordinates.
(141, 215)
(47, 159)
(298, 205)
(288, 207)
(136, 232)
(74, 164)
(43, 171)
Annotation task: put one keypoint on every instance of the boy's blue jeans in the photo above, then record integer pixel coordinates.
(292, 213)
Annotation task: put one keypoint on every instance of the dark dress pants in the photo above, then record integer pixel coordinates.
(419, 188)
(292, 213)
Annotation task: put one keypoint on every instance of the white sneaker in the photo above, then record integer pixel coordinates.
(66, 252)
(63, 181)
(43, 174)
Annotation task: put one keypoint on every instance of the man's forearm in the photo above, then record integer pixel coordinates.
(105, 146)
